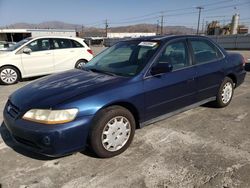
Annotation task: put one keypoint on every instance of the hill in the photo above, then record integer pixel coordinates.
(93, 31)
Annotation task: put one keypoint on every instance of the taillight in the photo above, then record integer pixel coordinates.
(244, 61)
(90, 51)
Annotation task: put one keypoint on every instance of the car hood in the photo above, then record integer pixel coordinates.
(53, 90)
(4, 53)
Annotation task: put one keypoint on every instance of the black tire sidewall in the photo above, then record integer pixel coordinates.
(14, 69)
(101, 119)
(219, 101)
(80, 61)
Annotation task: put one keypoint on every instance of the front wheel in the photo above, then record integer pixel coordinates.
(9, 75)
(225, 93)
(112, 132)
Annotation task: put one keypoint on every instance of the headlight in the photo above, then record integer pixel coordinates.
(51, 116)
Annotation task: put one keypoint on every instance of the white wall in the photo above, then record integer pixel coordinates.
(39, 33)
(133, 35)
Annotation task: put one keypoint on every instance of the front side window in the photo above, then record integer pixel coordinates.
(124, 58)
(39, 45)
(175, 54)
(205, 51)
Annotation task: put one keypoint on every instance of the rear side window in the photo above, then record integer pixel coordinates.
(76, 44)
(61, 43)
(205, 51)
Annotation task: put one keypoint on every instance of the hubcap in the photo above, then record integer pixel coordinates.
(227, 92)
(8, 76)
(80, 65)
(116, 133)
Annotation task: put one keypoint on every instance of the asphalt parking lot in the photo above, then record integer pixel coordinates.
(202, 147)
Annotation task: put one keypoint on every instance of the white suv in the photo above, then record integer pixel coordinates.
(42, 55)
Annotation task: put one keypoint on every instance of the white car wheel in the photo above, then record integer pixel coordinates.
(9, 75)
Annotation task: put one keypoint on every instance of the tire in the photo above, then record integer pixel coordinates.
(9, 75)
(112, 131)
(225, 93)
(80, 63)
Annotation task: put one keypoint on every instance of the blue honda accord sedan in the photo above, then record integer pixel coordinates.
(129, 85)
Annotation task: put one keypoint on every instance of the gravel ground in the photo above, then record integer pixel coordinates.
(202, 147)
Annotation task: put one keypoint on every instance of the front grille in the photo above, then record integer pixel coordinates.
(26, 142)
(12, 110)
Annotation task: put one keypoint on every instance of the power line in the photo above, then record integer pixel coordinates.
(173, 10)
(228, 6)
(133, 20)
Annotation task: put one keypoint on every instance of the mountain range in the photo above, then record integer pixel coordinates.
(94, 31)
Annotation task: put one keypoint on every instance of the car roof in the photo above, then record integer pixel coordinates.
(54, 36)
(165, 37)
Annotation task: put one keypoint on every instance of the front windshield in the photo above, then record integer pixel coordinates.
(17, 45)
(126, 58)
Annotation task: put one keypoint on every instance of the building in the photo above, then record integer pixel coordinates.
(15, 35)
(129, 35)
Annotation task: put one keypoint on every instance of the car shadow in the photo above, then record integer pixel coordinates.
(9, 141)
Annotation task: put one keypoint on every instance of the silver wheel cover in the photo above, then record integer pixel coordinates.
(80, 65)
(116, 133)
(8, 76)
(227, 92)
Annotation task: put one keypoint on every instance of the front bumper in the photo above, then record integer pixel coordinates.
(49, 140)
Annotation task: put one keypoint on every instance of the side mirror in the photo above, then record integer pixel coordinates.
(160, 68)
(27, 50)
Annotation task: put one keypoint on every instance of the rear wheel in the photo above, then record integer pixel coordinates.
(80, 64)
(9, 75)
(225, 93)
(112, 132)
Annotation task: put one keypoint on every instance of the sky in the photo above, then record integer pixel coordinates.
(122, 12)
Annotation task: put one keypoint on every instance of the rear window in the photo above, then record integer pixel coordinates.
(86, 43)
(76, 44)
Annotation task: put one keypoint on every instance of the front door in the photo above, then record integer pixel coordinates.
(40, 60)
(173, 90)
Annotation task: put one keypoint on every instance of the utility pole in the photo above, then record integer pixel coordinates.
(162, 24)
(203, 22)
(199, 17)
(106, 27)
(157, 28)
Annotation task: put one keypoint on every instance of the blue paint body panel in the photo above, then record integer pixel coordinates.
(151, 96)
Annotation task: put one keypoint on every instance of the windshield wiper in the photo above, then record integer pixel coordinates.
(102, 71)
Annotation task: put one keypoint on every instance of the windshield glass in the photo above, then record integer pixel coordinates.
(126, 58)
(17, 45)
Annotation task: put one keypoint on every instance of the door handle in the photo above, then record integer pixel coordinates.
(190, 80)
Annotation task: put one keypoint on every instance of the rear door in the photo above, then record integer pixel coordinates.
(65, 56)
(209, 62)
(173, 90)
(40, 60)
